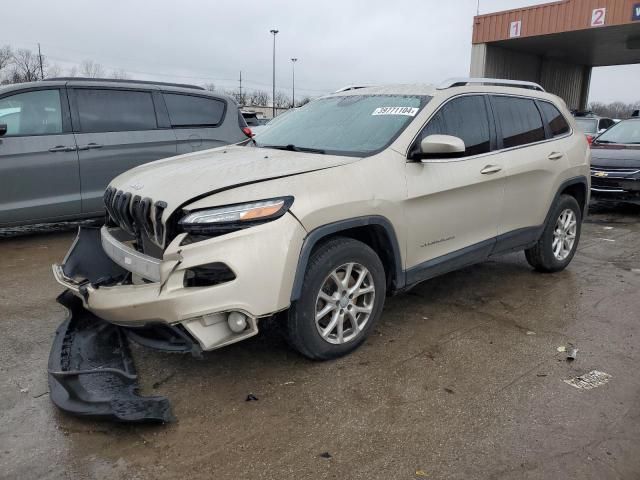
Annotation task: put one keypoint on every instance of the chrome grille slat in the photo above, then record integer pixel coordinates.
(136, 215)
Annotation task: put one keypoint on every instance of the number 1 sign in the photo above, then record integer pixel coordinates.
(515, 28)
(598, 16)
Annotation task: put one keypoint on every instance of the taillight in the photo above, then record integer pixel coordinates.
(589, 139)
(247, 131)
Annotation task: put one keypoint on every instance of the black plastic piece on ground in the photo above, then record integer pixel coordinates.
(166, 338)
(91, 371)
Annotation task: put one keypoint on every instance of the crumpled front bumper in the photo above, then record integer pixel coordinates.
(91, 371)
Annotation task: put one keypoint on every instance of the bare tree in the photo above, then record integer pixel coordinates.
(91, 69)
(615, 109)
(303, 101)
(120, 74)
(282, 100)
(53, 71)
(6, 58)
(210, 86)
(72, 72)
(26, 66)
(259, 98)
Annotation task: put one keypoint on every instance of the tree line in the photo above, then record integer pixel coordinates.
(23, 65)
(616, 110)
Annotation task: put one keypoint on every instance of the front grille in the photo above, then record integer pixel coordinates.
(140, 217)
(618, 172)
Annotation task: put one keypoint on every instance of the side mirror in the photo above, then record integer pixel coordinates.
(440, 146)
(3, 129)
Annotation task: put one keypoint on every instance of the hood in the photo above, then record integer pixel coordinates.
(615, 156)
(178, 180)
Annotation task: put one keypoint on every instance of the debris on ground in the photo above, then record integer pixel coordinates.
(561, 348)
(421, 473)
(325, 455)
(289, 383)
(24, 390)
(571, 353)
(449, 390)
(251, 397)
(530, 332)
(590, 380)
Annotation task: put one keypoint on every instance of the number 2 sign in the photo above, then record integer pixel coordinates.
(598, 16)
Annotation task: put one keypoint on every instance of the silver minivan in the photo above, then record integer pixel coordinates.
(63, 140)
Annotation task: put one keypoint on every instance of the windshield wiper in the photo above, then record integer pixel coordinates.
(291, 147)
(603, 141)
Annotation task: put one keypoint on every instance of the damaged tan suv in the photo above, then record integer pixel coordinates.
(352, 197)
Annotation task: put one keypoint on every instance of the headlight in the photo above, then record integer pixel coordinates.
(214, 221)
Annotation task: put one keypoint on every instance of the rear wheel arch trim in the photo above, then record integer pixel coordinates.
(579, 180)
(324, 231)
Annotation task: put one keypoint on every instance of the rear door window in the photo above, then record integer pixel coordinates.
(465, 118)
(115, 110)
(32, 113)
(520, 121)
(557, 123)
(192, 111)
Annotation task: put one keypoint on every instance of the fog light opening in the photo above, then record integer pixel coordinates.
(237, 322)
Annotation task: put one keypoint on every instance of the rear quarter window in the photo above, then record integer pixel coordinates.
(519, 119)
(555, 120)
(193, 111)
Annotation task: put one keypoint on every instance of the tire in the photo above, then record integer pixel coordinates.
(543, 256)
(303, 330)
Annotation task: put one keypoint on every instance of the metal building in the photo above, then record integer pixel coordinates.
(557, 44)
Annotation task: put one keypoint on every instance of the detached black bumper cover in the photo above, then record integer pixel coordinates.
(91, 371)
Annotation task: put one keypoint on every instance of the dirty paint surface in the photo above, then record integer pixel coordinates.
(452, 383)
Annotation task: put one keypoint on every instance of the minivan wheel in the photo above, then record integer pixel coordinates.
(559, 241)
(343, 293)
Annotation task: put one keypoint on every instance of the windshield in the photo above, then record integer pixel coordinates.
(348, 125)
(587, 125)
(627, 132)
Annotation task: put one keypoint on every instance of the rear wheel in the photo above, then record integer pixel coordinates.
(342, 298)
(557, 245)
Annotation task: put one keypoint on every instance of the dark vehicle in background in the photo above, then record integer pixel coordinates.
(591, 124)
(615, 163)
(63, 140)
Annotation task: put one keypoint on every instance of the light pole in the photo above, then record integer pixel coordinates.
(273, 94)
(293, 82)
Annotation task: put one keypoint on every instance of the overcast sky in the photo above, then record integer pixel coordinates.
(337, 42)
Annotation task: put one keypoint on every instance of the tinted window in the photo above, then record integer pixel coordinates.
(587, 125)
(466, 118)
(557, 123)
(187, 110)
(605, 123)
(32, 113)
(115, 110)
(520, 121)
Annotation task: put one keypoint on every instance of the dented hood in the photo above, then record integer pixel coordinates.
(180, 179)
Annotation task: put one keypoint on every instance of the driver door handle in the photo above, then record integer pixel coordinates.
(555, 155)
(89, 146)
(489, 169)
(62, 148)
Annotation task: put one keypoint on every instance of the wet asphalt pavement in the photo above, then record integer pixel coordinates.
(462, 379)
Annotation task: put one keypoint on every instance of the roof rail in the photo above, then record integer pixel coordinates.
(352, 87)
(117, 80)
(459, 82)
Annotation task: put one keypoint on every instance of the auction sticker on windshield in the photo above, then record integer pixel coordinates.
(408, 111)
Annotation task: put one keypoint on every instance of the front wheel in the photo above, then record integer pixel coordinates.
(557, 245)
(342, 298)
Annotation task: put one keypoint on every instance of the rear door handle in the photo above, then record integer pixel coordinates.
(62, 148)
(90, 146)
(489, 169)
(555, 155)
